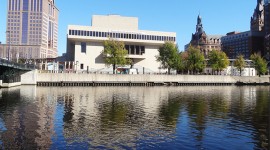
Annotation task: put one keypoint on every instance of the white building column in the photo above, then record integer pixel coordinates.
(64, 68)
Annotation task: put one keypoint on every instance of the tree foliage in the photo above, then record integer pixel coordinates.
(169, 57)
(260, 64)
(218, 60)
(115, 53)
(240, 63)
(195, 60)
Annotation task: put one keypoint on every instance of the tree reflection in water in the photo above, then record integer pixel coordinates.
(135, 117)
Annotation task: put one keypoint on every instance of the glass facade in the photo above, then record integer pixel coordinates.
(137, 36)
(24, 27)
(25, 5)
(28, 25)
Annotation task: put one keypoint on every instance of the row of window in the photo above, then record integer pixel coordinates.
(121, 35)
(132, 49)
(135, 49)
(235, 37)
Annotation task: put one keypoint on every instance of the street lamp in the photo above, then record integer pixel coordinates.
(8, 44)
(77, 62)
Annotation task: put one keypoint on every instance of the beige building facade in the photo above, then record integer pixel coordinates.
(206, 43)
(32, 22)
(85, 43)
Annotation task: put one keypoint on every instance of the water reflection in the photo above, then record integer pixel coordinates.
(134, 117)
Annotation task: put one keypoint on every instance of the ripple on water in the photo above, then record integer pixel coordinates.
(134, 118)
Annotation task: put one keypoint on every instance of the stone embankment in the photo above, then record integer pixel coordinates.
(83, 79)
(73, 79)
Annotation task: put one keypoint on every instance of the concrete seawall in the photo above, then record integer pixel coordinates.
(107, 79)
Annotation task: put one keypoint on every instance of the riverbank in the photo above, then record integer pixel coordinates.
(73, 79)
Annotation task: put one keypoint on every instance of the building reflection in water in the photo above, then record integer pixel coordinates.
(27, 120)
(134, 117)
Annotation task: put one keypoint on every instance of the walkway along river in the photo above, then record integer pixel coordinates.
(84, 79)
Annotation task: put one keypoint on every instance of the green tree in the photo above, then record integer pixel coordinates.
(260, 64)
(195, 60)
(169, 57)
(240, 63)
(218, 60)
(115, 53)
(181, 67)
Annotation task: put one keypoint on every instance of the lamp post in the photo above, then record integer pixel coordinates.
(8, 32)
(77, 66)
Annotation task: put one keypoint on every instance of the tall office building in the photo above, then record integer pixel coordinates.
(248, 42)
(242, 43)
(32, 29)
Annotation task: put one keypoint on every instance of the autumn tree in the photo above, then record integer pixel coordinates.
(260, 64)
(169, 57)
(195, 60)
(115, 53)
(218, 60)
(240, 63)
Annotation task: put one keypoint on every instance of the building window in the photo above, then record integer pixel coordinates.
(132, 52)
(83, 47)
(142, 50)
(137, 50)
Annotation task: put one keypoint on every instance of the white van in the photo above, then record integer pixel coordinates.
(126, 70)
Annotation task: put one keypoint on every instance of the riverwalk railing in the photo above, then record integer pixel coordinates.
(15, 65)
(72, 79)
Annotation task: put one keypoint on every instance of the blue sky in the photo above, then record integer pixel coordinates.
(180, 16)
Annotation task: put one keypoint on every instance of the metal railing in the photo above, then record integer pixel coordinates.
(4, 62)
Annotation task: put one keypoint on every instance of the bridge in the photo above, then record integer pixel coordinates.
(10, 72)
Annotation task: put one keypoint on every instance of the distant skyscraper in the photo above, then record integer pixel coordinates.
(248, 42)
(242, 43)
(32, 28)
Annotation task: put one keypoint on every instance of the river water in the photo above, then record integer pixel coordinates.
(227, 117)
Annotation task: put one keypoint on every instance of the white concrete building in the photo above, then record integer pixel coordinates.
(85, 43)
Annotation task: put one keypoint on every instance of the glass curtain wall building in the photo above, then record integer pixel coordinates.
(32, 22)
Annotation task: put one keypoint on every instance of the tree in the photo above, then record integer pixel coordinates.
(115, 53)
(240, 63)
(195, 60)
(218, 60)
(182, 62)
(260, 64)
(168, 56)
